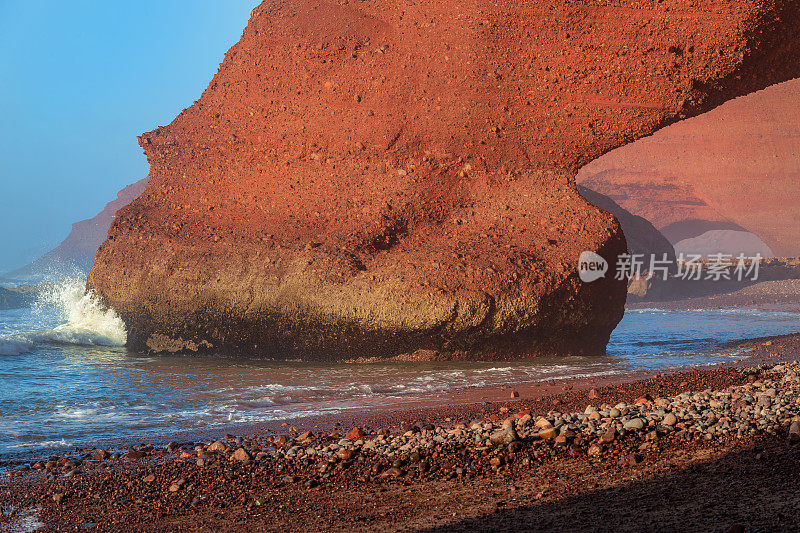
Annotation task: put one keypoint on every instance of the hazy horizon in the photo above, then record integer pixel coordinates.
(78, 92)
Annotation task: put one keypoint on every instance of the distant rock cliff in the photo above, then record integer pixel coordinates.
(75, 254)
(734, 168)
(377, 178)
(642, 237)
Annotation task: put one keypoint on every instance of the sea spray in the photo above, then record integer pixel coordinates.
(88, 321)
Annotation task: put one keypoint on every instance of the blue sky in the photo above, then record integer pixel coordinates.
(79, 81)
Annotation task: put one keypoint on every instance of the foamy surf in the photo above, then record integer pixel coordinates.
(88, 321)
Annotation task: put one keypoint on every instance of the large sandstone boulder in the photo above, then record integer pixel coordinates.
(372, 178)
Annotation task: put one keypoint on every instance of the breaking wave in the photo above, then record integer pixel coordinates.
(88, 322)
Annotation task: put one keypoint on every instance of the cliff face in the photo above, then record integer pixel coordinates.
(75, 254)
(734, 168)
(375, 178)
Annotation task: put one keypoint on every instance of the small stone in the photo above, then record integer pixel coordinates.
(392, 472)
(345, 454)
(149, 479)
(505, 436)
(496, 461)
(57, 497)
(356, 433)
(543, 423)
(100, 455)
(514, 394)
(609, 435)
(217, 447)
(670, 419)
(524, 421)
(794, 432)
(614, 412)
(631, 460)
(593, 394)
(241, 455)
(644, 399)
(549, 433)
(594, 449)
(305, 436)
(635, 423)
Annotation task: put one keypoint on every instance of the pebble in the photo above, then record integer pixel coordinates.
(241, 455)
(549, 433)
(609, 435)
(356, 433)
(505, 436)
(217, 447)
(794, 432)
(635, 423)
(100, 455)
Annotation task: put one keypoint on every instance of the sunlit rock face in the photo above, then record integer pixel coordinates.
(378, 178)
(735, 168)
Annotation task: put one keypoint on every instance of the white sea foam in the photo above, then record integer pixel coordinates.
(89, 322)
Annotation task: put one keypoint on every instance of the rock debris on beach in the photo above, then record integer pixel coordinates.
(511, 443)
(767, 404)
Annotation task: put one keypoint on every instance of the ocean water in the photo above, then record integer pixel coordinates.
(66, 379)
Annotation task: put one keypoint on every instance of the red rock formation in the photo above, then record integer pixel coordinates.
(372, 178)
(733, 168)
(75, 254)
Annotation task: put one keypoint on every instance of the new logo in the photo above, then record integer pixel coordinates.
(591, 267)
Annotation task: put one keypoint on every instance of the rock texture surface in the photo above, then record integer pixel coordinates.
(75, 254)
(373, 178)
(734, 168)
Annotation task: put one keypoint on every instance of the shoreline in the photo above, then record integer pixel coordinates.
(63, 501)
(428, 405)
